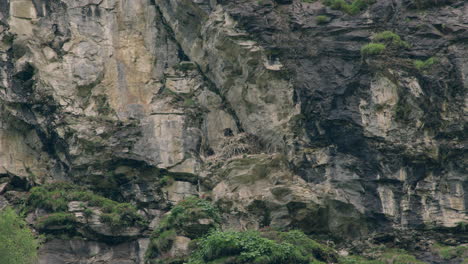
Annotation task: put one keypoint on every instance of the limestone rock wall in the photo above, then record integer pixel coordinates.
(274, 116)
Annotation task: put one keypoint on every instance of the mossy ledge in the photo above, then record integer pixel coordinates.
(55, 199)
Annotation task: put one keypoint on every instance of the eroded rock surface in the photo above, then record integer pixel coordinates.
(257, 105)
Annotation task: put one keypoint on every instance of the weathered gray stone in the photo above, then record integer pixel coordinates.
(180, 246)
(275, 116)
(179, 190)
(89, 252)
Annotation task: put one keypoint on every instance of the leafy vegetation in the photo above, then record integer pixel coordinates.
(398, 256)
(390, 38)
(214, 246)
(322, 19)
(252, 247)
(462, 226)
(450, 252)
(56, 196)
(381, 41)
(188, 211)
(183, 220)
(166, 180)
(352, 8)
(274, 247)
(424, 65)
(372, 49)
(306, 245)
(17, 243)
(164, 240)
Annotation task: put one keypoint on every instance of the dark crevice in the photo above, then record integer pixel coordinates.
(210, 84)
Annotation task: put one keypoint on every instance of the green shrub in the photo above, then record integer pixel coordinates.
(87, 213)
(462, 226)
(450, 252)
(163, 242)
(353, 8)
(166, 180)
(398, 256)
(183, 220)
(187, 211)
(245, 247)
(322, 19)
(56, 196)
(424, 65)
(17, 243)
(336, 4)
(381, 42)
(373, 49)
(306, 245)
(390, 38)
(256, 247)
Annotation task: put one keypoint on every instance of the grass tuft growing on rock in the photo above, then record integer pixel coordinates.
(322, 19)
(372, 49)
(352, 8)
(381, 41)
(424, 65)
(390, 38)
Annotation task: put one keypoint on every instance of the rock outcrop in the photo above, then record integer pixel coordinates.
(268, 108)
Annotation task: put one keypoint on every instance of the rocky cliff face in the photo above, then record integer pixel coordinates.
(269, 108)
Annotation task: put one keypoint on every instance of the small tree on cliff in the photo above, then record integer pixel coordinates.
(17, 243)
